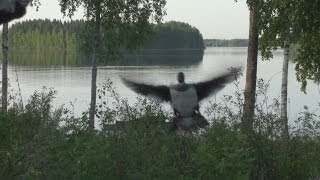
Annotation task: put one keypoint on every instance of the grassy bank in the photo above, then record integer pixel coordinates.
(40, 142)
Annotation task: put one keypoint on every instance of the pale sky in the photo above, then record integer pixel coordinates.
(223, 19)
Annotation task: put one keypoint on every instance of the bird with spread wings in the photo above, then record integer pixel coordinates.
(183, 97)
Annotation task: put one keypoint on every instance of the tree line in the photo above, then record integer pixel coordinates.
(46, 34)
(40, 34)
(225, 42)
(54, 42)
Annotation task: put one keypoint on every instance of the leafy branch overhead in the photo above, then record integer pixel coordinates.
(124, 23)
(297, 20)
(35, 3)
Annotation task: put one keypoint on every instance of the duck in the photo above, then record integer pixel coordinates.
(183, 97)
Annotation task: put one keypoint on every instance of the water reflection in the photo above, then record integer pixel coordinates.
(73, 82)
(151, 57)
(45, 58)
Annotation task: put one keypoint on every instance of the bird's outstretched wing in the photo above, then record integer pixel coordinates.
(161, 92)
(204, 89)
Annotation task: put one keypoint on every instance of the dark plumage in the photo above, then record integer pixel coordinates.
(161, 92)
(184, 98)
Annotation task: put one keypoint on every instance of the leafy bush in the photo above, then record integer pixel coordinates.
(39, 142)
(224, 154)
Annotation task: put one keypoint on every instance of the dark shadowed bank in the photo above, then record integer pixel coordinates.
(38, 142)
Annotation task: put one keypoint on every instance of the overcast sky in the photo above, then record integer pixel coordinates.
(223, 19)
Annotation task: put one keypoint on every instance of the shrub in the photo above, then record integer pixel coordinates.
(39, 142)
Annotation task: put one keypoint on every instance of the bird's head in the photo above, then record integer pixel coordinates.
(180, 77)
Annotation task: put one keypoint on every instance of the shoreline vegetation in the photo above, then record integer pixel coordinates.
(70, 35)
(53, 42)
(38, 141)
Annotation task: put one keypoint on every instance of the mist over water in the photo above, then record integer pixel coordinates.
(73, 81)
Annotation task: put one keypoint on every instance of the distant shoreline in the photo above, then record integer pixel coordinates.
(225, 43)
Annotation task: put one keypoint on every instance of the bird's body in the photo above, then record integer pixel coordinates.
(184, 101)
(184, 98)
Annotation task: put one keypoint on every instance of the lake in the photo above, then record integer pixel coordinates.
(73, 82)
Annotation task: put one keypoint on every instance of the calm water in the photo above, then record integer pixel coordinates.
(73, 83)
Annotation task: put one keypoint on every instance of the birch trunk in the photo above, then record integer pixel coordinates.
(251, 73)
(284, 91)
(5, 67)
(95, 60)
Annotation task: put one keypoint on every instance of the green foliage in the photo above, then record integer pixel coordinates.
(275, 22)
(46, 42)
(296, 21)
(175, 35)
(224, 154)
(307, 27)
(116, 24)
(39, 142)
(38, 35)
(26, 134)
(35, 3)
(270, 157)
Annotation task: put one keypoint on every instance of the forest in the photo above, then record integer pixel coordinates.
(52, 42)
(247, 138)
(40, 34)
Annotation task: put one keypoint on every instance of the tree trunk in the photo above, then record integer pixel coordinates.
(251, 74)
(95, 60)
(284, 91)
(5, 67)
